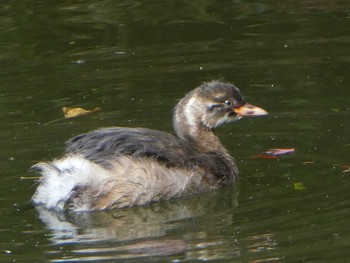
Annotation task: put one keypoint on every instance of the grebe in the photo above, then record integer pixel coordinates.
(121, 167)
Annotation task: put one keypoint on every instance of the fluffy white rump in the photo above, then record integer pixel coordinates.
(127, 182)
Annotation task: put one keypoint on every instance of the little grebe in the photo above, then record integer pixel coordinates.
(122, 167)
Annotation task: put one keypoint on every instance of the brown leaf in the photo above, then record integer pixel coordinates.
(75, 112)
(346, 168)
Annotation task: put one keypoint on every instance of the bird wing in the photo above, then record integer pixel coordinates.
(103, 145)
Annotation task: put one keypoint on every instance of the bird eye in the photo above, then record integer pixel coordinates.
(228, 103)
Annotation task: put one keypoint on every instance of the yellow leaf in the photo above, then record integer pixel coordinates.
(75, 112)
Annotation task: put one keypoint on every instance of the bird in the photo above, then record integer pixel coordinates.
(118, 167)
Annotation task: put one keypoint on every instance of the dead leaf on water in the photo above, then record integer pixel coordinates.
(274, 153)
(279, 151)
(346, 168)
(75, 112)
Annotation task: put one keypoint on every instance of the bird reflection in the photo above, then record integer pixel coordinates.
(190, 228)
(138, 222)
(145, 230)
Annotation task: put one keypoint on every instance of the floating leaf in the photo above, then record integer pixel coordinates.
(299, 186)
(347, 169)
(75, 112)
(274, 153)
(279, 151)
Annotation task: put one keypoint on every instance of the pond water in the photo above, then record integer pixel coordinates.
(135, 59)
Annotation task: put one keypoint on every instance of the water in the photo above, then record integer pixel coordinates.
(135, 60)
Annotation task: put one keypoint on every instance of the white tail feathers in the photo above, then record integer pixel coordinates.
(84, 185)
(60, 177)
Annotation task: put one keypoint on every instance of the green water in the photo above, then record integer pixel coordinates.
(135, 59)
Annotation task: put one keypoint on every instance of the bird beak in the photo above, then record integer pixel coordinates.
(249, 110)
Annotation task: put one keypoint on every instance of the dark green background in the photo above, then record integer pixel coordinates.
(135, 59)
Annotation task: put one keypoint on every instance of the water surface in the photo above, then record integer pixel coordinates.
(135, 60)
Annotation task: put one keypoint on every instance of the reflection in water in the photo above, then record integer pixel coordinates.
(142, 231)
(182, 229)
(123, 225)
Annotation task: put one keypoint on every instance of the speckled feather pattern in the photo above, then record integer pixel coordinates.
(120, 167)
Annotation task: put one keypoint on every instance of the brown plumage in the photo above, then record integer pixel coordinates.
(120, 167)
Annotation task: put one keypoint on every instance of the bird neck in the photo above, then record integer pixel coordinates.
(205, 139)
(213, 154)
(188, 125)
